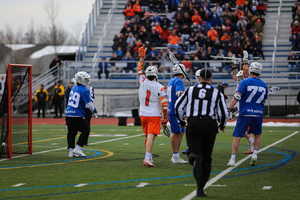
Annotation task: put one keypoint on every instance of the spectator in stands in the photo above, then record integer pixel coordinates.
(294, 41)
(178, 19)
(122, 45)
(143, 34)
(261, 8)
(196, 18)
(241, 23)
(212, 33)
(131, 39)
(153, 60)
(129, 12)
(137, 8)
(160, 6)
(222, 31)
(215, 20)
(185, 33)
(56, 62)
(210, 53)
(165, 21)
(158, 28)
(253, 6)
(169, 15)
(239, 12)
(113, 64)
(226, 43)
(204, 28)
(148, 46)
(192, 41)
(187, 63)
(226, 15)
(153, 50)
(260, 36)
(240, 3)
(181, 51)
(164, 36)
(173, 40)
(41, 96)
(195, 28)
(201, 12)
(236, 50)
(257, 47)
(132, 23)
(156, 18)
(103, 67)
(226, 36)
(152, 6)
(292, 65)
(296, 19)
(259, 26)
(203, 57)
(207, 17)
(217, 46)
(294, 9)
(248, 47)
(200, 40)
(154, 37)
(208, 42)
(237, 38)
(130, 65)
(218, 9)
(187, 19)
(144, 6)
(196, 64)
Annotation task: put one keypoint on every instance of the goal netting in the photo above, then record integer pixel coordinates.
(16, 112)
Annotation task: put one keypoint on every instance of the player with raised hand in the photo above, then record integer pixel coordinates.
(175, 90)
(150, 108)
(251, 94)
(79, 99)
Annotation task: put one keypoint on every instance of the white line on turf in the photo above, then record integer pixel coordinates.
(267, 187)
(81, 185)
(214, 179)
(19, 184)
(142, 184)
(65, 147)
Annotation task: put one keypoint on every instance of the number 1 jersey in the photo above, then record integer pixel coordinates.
(254, 91)
(79, 96)
(148, 96)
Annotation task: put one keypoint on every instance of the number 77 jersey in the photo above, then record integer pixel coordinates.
(148, 96)
(253, 91)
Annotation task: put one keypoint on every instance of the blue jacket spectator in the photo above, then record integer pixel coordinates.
(156, 18)
(100, 66)
(180, 51)
(215, 20)
(130, 65)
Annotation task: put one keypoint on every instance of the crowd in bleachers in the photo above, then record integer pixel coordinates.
(295, 38)
(193, 29)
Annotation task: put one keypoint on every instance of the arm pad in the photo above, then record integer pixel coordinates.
(164, 104)
(90, 106)
(140, 67)
(237, 96)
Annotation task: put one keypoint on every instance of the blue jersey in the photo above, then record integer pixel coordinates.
(253, 91)
(174, 86)
(198, 83)
(79, 96)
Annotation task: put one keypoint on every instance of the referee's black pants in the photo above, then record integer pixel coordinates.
(76, 124)
(88, 117)
(200, 137)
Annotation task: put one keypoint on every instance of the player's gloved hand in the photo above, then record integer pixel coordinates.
(142, 51)
(95, 111)
(182, 124)
(230, 113)
(164, 122)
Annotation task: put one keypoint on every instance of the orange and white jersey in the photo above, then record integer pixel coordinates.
(148, 96)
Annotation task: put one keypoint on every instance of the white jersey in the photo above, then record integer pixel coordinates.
(148, 96)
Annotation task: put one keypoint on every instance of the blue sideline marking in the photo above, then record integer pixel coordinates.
(97, 153)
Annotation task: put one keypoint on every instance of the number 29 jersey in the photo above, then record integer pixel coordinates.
(79, 96)
(254, 91)
(148, 96)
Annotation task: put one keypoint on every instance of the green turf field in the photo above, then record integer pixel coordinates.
(113, 168)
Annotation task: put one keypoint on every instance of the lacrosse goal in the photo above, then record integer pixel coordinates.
(16, 112)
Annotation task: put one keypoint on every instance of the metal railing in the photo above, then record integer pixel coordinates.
(89, 29)
(275, 38)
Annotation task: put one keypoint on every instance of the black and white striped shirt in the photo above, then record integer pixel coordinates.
(202, 101)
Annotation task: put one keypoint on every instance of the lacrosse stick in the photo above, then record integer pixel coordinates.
(96, 115)
(274, 89)
(166, 130)
(175, 61)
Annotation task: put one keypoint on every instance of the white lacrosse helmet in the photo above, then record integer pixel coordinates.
(151, 71)
(197, 75)
(177, 69)
(255, 68)
(83, 78)
(240, 76)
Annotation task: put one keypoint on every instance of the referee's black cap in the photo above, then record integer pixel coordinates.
(205, 73)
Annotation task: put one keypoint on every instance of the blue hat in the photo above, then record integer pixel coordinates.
(225, 82)
(103, 57)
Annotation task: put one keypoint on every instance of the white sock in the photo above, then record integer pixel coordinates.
(255, 152)
(71, 150)
(148, 156)
(250, 140)
(232, 156)
(78, 147)
(176, 155)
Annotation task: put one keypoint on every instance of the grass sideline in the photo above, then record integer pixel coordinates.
(113, 168)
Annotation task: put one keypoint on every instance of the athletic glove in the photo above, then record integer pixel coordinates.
(95, 111)
(142, 51)
(140, 68)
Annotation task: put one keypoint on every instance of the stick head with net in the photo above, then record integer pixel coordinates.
(166, 131)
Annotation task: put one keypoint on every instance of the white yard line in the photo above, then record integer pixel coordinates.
(66, 148)
(216, 178)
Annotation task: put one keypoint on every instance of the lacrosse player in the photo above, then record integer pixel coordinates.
(150, 108)
(175, 90)
(251, 95)
(79, 99)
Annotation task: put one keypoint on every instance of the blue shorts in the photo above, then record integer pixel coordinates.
(243, 123)
(175, 128)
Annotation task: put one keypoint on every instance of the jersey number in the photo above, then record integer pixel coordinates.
(74, 99)
(254, 90)
(147, 98)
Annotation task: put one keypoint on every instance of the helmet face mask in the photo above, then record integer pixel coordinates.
(239, 76)
(83, 78)
(177, 70)
(255, 68)
(151, 71)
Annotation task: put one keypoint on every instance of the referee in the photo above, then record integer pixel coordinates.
(204, 108)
